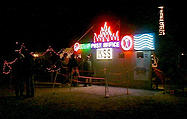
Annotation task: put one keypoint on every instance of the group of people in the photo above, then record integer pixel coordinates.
(26, 69)
(69, 67)
(23, 75)
(72, 66)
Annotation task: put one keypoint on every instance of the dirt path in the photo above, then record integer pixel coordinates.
(114, 91)
(95, 90)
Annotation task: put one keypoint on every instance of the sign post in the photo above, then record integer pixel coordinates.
(127, 83)
(106, 84)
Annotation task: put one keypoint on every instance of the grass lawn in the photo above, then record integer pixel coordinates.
(63, 104)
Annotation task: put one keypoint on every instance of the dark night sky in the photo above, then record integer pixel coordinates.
(57, 23)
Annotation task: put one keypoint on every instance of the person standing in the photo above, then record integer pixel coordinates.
(73, 68)
(64, 69)
(87, 67)
(28, 74)
(19, 78)
(65, 60)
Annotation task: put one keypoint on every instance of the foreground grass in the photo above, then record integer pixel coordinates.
(62, 104)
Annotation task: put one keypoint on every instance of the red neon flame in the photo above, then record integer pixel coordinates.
(106, 35)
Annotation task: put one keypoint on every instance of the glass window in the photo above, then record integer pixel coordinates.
(140, 55)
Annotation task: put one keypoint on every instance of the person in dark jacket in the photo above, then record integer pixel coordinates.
(73, 64)
(73, 67)
(87, 67)
(28, 74)
(19, 78)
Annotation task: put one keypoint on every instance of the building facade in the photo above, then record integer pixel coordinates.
(122, 60)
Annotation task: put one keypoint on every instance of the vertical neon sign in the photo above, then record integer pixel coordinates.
(161, 21)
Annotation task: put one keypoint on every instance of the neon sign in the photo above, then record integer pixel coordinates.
(85, 46)
(78, 46)
(127, 43)
(104, 53)
(161, 21)
(105, 45)
(107, 39)
(106, 35)
(144, 41)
